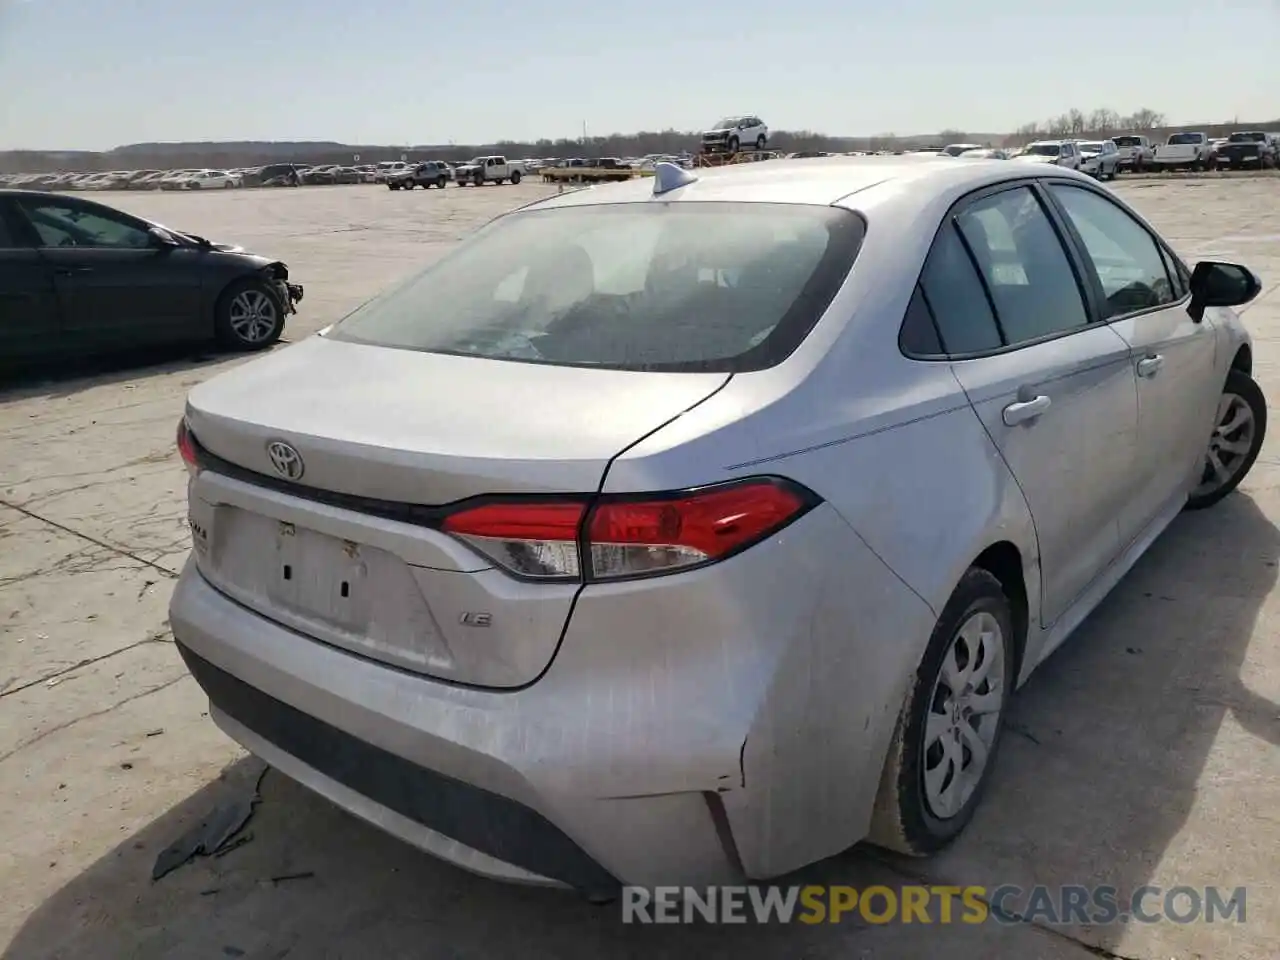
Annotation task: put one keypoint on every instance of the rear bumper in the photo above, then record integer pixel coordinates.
(726, 723)
(491, 782)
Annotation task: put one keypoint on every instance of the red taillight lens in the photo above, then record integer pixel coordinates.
(633, 536)
(187, 447)
(537, 540)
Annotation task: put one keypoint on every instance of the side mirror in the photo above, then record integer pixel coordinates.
(161, 240)
(1215, 283)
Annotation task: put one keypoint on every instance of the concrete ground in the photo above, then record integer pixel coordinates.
(1145, 752)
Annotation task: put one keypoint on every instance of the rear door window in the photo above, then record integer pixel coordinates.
(1024, 265)
(954, 294)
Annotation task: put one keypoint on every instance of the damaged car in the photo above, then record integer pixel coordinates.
(526, 567)
(81, 279)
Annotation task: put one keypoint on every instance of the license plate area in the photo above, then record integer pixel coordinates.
(341, 591)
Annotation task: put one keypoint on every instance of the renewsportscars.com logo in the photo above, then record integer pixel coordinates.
(937, 904)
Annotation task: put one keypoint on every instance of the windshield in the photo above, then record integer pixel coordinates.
(727, 124)
(1044, 149)
(1091, 146)
(665, 286)
(1127, 141)
(1185, 138)
(1246, 138)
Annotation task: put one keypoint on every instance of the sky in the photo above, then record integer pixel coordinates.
(93, 74)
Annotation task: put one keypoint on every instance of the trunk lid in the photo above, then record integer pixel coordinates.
(375, 427)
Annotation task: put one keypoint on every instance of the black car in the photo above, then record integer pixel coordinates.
(275, 175)
(433, 173)
(78, 278)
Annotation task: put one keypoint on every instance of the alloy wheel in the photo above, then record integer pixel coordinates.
(253, 316)
(1229, 445)
(964, 716)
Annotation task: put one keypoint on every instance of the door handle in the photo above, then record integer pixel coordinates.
(1150, 366)
(1024, 410)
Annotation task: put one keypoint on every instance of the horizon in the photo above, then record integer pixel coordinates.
(407, 73)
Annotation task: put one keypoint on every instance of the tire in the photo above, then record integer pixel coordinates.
(442, 182)
(478, 181)
(248, 316)
(760, 142)
(1240, 392)
(515, 178)
(500, 181)
(228, 185)
(733, 144)
(906, 819)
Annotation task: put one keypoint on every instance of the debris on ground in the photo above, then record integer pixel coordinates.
(215, 832)
(285, 877)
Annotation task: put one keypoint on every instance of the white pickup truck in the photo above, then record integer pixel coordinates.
(1191, 150)
(484, 170)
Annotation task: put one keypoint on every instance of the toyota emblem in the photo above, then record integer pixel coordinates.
(286, 460)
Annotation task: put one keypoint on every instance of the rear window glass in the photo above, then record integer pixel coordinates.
(637, 286)
(1246, 138)
(1185, 138)
(1126, 141)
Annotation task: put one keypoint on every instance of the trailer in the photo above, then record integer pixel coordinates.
(605, 170)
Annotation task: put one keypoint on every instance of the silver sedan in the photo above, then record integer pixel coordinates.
(700, 527)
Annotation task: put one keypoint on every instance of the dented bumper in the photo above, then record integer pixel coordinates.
(725, 723)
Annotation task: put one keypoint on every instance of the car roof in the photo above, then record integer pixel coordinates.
(827, 180)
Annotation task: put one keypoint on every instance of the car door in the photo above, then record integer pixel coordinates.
(116, 287)
(29, 323)
(1054, 390)
(1141, 292)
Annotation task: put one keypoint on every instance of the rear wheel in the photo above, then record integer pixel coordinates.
(949, 728)
(1239, 428)
(442, 182)
(760, 142)
(248, 316)
(515, 177)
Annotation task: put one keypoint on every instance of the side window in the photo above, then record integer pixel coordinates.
(1125, 257)
(954, 293)
(64, 225)
(1024, 264)
(1177, 273)
(919, 336)
(8, 235)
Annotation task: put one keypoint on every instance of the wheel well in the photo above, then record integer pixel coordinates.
(1004, 562)
(1243, 360)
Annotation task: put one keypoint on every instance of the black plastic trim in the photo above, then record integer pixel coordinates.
(485, 821)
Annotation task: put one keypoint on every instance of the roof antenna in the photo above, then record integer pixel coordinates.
(668, 176)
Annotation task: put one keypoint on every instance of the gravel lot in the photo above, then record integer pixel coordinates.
(1145, 752)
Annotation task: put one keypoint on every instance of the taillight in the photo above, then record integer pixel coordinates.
(633, 536)
(187, 447)
(538, 540)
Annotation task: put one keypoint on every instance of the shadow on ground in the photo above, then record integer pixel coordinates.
(62, 379)
(1098, 777)
(1111, 744)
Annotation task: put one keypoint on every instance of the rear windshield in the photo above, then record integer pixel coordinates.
(705, 287)
(1178, 138)
(1246, 138)
(1044, 149)
(1127, 141)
